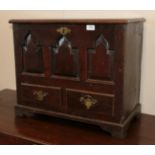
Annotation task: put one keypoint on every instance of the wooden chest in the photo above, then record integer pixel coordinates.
(83, 70)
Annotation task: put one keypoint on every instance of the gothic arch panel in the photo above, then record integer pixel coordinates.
(65, 59)
(100, 60)
(32, 55)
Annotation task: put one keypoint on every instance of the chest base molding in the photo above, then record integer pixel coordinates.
(118, 130)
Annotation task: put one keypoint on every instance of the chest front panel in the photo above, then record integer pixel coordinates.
(70, 56)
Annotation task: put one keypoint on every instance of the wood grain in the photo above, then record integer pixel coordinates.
(90, 21)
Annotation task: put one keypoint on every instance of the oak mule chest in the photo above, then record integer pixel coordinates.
(84, 70)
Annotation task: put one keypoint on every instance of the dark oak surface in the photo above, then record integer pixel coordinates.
(49, 130)
(87, 73)
(110, 21)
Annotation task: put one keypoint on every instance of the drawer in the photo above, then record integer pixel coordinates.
(41, 96)
(91, 104)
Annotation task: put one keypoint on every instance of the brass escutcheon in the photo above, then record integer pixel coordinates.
(88, 101)
(63, 30)
(40, 95)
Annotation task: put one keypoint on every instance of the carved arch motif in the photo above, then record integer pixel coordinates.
(100, 60)
(65, 59)
(32, 55)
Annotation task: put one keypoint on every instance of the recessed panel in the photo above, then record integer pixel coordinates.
(100, 60)
(32, 55)
(65, 59)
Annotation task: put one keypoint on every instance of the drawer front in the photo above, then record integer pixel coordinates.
(41, 97)
(95, 105)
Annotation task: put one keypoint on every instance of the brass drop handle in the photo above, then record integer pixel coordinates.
(88, 101)
(63, 30)
(40, 95)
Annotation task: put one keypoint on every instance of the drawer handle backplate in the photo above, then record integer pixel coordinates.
(88, 101)
(40, 95)
(63, 30)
